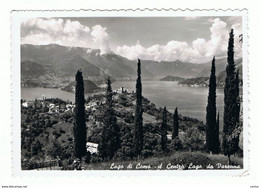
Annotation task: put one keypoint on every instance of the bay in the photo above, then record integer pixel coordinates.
(191, 101)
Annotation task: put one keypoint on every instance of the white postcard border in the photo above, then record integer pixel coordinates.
(17, 16)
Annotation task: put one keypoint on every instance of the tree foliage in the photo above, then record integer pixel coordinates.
(138, 122)
(110, 141)
(164, 130)
(211, 135)
(175, 124)
(79, 118)
(217, 142)
(232, 104)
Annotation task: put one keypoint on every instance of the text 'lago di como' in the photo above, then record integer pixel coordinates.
(170, 166)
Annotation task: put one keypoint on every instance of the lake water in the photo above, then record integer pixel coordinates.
(190, 101)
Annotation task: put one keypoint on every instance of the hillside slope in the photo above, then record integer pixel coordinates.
(53, 135)
(89, 87)
(94, 65)
(31, 69)
(174, 68)
(220, 67)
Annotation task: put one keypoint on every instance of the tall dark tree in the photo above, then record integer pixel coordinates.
(79, 118)
(211, 111)
(237, 114)
(175, 124)
(110, 141)
(217, 142)
(138, 121)
(164, 130)
(232, 106)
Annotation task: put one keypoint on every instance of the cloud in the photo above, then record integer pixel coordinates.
(192, 18)
(42, 31)
(218, 40)
(156, 52)
(100, 36)
(75, 29)
(199, 51)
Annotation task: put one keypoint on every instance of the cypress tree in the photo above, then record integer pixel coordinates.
(211, 111)
(217, 142)
(164, 130)
(175, 124)
(231, 100)
(138, 121)
(79, 118)
(110, 141)
(237, 114)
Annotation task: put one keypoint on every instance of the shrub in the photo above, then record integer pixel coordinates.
(146, 153)
(61, 131)
(194, 140)
(95, 158)
(70, 139)
(57, 135)
(176, 144)
(36, 147)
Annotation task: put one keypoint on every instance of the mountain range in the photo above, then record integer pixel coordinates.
(63, 61)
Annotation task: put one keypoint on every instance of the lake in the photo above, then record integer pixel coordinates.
(190, 101)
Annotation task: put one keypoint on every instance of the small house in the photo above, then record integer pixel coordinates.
(92, 147)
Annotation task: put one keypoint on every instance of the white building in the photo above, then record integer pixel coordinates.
(92, 147)
(169, 136)
(25, 104)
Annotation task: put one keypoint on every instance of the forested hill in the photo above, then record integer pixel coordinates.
(54, 137)
(89, 87)
(54, 66)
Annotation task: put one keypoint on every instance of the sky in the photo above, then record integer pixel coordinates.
(189, 39)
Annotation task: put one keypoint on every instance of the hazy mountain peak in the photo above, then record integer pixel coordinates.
(178, 61)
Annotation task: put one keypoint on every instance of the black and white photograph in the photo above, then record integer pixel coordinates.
(132, 93)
